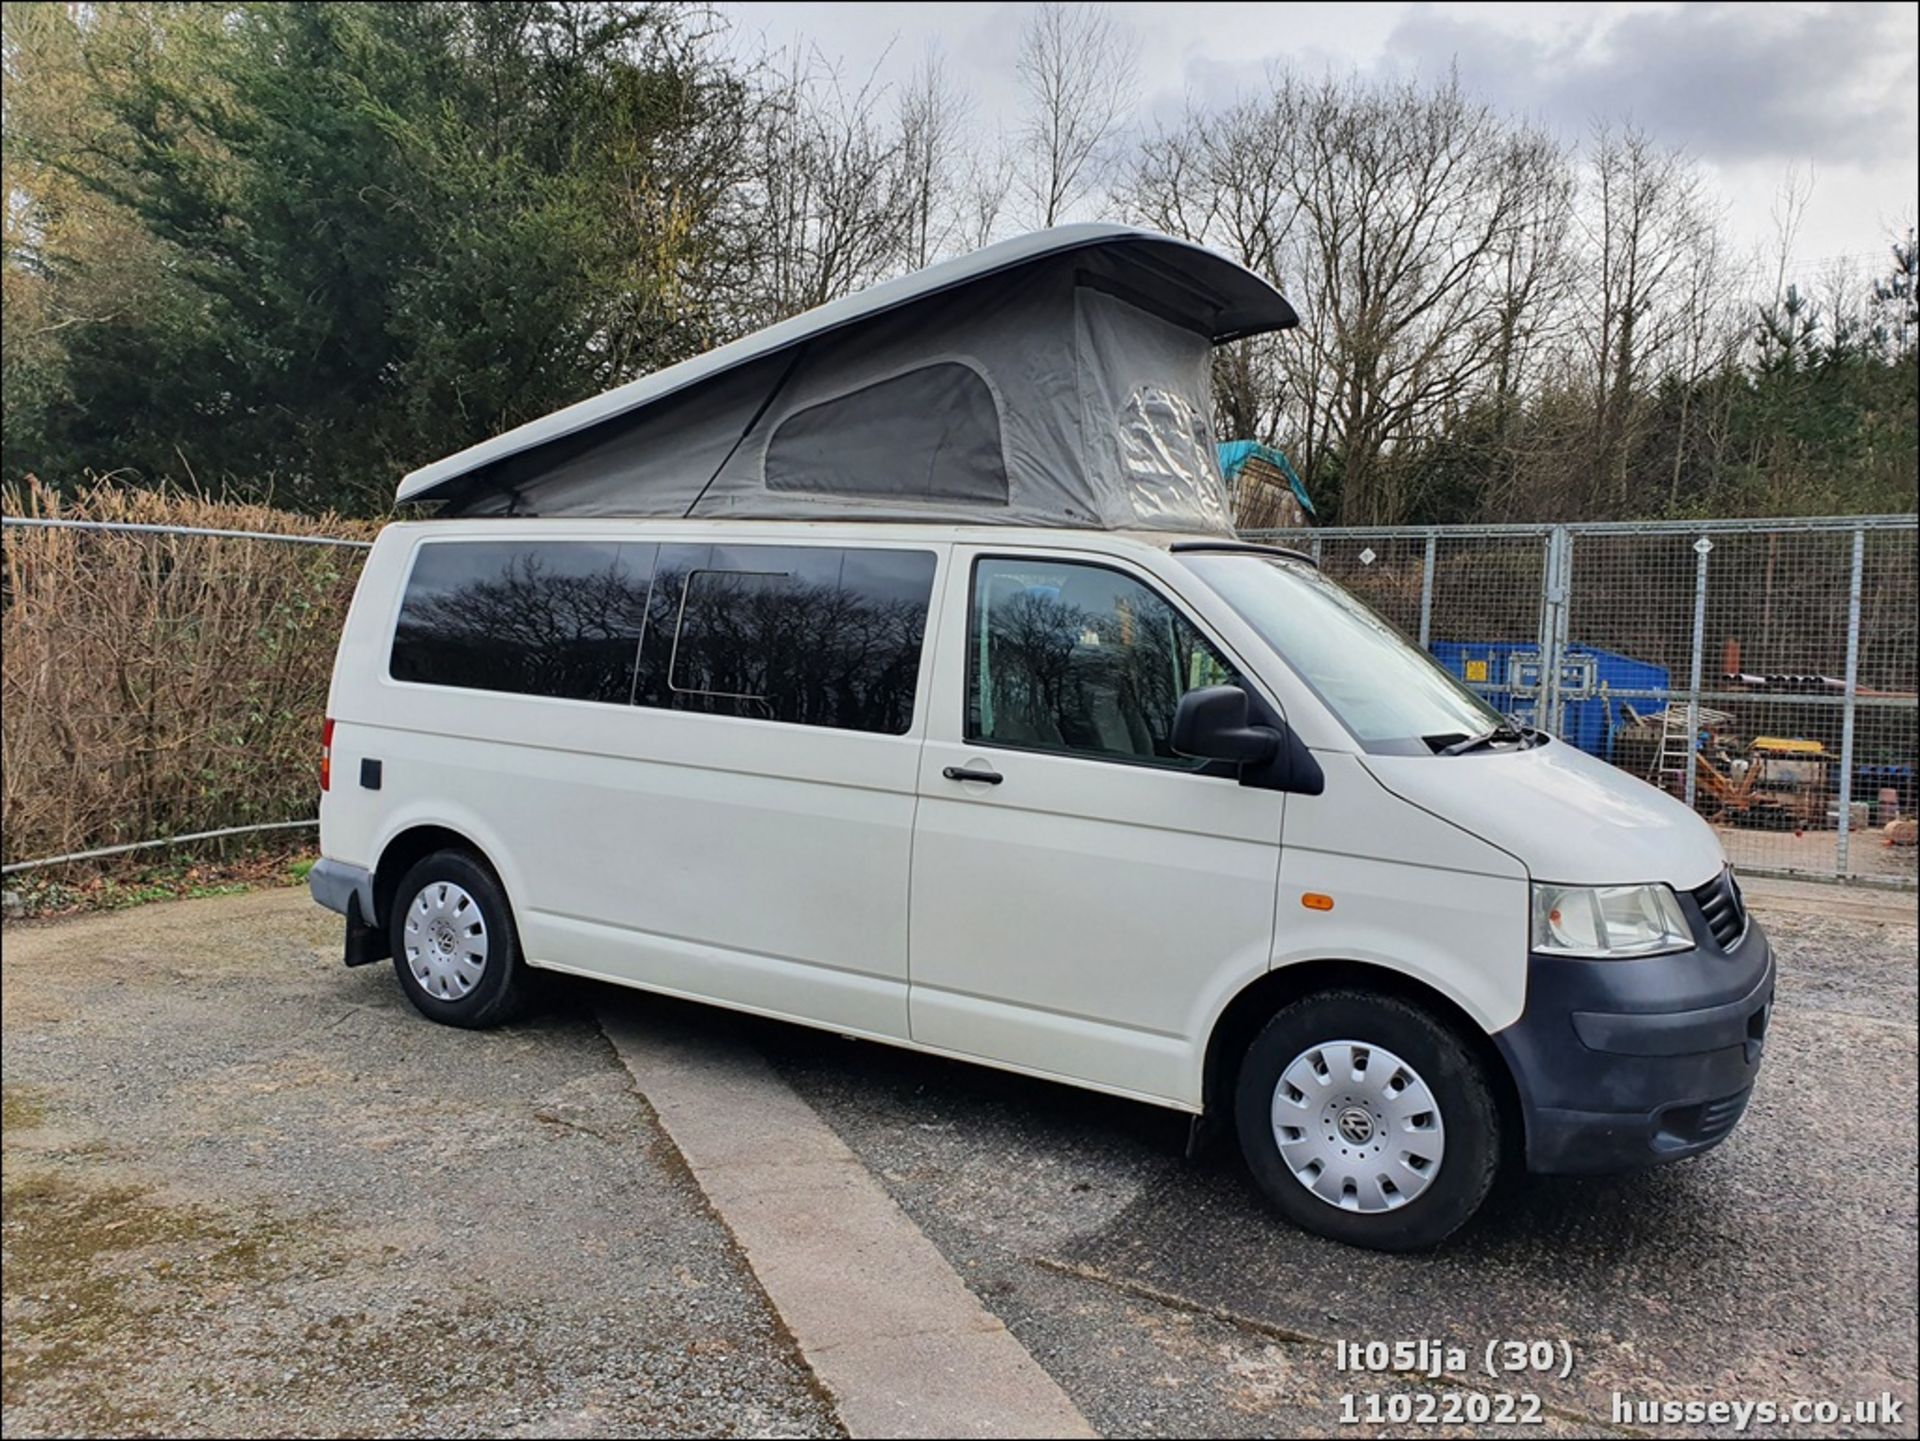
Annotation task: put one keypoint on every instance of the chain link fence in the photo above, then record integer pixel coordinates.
(166, 683)
(1762, 670)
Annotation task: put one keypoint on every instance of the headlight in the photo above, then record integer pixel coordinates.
(1608, 921)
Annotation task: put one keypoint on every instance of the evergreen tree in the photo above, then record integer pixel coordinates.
(393, 230)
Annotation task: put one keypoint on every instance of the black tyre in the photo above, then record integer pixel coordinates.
(454, 945)
(1366, 1119)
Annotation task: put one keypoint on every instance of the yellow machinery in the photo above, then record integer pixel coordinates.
(1779, 782)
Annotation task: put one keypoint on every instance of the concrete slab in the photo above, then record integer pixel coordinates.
(951, 1385)
(885, 1322)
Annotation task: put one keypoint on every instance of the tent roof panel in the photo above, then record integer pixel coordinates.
(1238, 303)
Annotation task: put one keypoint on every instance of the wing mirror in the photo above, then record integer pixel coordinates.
(1211, 724)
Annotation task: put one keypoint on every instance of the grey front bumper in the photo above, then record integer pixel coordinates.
(1622, 1064)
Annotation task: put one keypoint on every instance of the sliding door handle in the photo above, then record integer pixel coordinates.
(971, 773)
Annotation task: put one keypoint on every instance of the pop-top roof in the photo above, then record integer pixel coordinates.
(1058, 378)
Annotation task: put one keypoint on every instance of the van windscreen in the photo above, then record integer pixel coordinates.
(1389, 693)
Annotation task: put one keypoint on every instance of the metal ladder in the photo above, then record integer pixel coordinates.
(1675, 756)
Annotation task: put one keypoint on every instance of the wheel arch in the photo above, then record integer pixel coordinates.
(408, 847)
(1251, 1008)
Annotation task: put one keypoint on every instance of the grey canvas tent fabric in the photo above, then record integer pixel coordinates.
(1061, 379)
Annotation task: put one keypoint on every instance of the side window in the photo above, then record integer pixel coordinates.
(546, 618)
(1080, 659)
(804, 634)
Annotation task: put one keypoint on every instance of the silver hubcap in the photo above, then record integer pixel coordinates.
(1357, 1126)
(446, 941)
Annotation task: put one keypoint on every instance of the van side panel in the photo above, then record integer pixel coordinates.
(785, 892)
(755, 863)
(1410, 892)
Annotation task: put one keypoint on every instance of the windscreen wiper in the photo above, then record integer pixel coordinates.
(1523, 735)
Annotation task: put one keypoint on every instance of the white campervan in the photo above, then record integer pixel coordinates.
(895, 671)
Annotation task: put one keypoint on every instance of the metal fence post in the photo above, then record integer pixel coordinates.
(1702, 548)
(1426, 591)
(1553, 628)
(1562, 624)
(1847, 703)
(1549, 613)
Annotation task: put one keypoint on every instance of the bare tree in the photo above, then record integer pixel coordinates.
(1420, 235)
(1530, 277)
(984, 191)
(1415, 204)
(1530, 273)
(1077, 68)
(828, 202)
(1788, 213)
(933, 114)
(1645, 218)
(1711, 335)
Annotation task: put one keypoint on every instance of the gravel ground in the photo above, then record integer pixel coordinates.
(249, 1191)
(1168, 1301)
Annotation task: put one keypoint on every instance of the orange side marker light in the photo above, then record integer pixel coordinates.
(1314, 901)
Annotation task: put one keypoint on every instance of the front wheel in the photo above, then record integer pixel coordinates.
(1366, 1119)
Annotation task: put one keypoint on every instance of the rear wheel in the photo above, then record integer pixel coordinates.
(454, 946)
(1365, 1118)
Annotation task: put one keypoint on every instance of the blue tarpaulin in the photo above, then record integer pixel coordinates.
(1236, 453)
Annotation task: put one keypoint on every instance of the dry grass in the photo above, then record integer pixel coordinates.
(157, 684)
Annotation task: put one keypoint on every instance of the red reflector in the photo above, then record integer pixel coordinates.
(326, 753)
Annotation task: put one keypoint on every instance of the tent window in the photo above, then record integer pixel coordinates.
(930, 434)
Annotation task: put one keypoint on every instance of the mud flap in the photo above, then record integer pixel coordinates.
(365, 944)
(1204, 1134)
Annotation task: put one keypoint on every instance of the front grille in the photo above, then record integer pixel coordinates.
(1725, 909)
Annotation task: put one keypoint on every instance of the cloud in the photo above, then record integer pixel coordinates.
(1730, 82)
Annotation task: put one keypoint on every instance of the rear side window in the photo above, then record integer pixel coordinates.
(801, 634)
(558, 618)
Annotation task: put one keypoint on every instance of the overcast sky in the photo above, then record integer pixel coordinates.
(1749, 89)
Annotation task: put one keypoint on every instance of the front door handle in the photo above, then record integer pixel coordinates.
(970, 773)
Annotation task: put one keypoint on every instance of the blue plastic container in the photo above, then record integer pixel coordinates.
(1507, 675)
